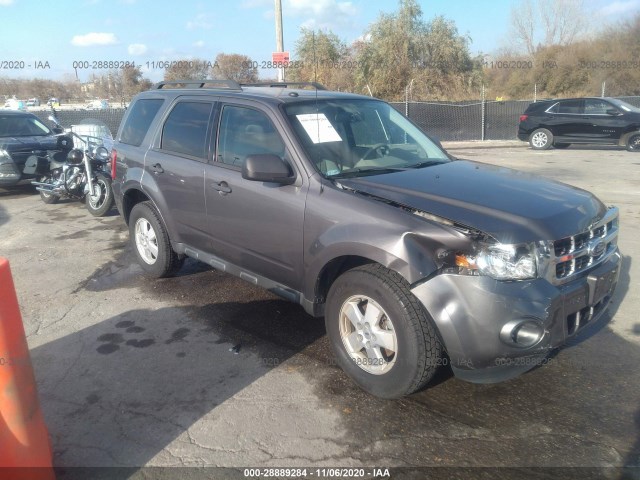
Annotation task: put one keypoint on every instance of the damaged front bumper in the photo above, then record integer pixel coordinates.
(496, 330)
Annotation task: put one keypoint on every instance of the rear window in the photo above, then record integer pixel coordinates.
(575, 107)
(142, 114)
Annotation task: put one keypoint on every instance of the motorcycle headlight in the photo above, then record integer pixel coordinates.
(501, 261)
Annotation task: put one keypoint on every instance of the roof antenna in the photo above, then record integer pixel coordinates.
(315, 79)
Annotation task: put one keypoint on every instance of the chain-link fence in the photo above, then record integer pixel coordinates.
(470, 120)
(111, 117)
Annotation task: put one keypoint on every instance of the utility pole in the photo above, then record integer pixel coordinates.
(279, 36)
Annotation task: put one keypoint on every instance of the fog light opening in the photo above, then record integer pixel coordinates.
(522, 333)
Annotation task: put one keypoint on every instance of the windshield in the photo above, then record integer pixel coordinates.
(22, 126)
(360, 137)
(627, 107)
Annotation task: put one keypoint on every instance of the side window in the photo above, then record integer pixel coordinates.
(185, 130)
(571, 106)
(142, 114)
(245, 131)
(596, 107)
(553, 108)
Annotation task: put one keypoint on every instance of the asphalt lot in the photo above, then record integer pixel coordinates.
(205, 369)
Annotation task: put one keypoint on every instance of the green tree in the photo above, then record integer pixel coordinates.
(321, 57)
(402, 46)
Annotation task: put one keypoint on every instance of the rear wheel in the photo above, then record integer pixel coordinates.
(561, 145)
(48, 198)
(151, 242)
(541, 139)
(381, 335)
(633, 143)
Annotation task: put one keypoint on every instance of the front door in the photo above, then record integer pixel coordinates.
(255, 225)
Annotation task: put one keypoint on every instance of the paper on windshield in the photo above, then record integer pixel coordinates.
(318, 127)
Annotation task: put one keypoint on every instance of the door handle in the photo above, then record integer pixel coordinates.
(157, 168)
(222, 187)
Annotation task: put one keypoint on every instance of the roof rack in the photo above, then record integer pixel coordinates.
(228, 84)
(315, 85)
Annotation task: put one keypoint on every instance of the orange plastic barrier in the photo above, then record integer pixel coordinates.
(24, 440)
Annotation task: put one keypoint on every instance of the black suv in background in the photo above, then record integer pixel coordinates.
(26, 145)
(598, 121)
(341, 204)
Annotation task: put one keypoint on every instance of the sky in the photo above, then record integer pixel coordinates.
(48, 39)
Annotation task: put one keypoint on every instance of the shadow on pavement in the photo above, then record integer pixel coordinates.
(120, 392)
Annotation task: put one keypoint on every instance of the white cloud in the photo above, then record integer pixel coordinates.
(199, 44)
(137, 49)
(94, 38)
(202, 20)
(618, 7)
(5, 3)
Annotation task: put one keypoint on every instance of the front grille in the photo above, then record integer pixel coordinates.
(583, 250)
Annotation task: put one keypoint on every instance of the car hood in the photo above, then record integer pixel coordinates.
(509, 205)
(12, 144)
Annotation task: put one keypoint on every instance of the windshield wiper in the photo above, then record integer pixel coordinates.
(368, 170)
(427, 163)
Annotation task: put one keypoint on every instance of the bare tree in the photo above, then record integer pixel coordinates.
(236, 67)
(542, 23)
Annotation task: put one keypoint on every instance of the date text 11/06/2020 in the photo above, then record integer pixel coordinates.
(324, 472)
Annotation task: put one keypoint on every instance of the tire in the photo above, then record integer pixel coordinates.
(561, 145)
(99, 205)
(633, 143)
(412, 350)
(151, 242)
(541, 139)
(48, 198)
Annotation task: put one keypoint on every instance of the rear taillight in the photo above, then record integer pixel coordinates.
(523, 117)
(114, 158)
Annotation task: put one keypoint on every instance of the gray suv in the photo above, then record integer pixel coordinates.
(337, 202)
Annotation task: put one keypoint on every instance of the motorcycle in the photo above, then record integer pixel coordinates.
(83, 175)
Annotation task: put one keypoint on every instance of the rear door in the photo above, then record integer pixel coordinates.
(177, 163)
(569, 120)
(255, 225)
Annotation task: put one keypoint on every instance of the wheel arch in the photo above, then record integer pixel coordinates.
(131, 198)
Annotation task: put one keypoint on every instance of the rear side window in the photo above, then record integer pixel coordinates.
(142, 114)
(571, 106)
(185, 130)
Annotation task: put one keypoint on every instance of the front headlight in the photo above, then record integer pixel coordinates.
(502, 261)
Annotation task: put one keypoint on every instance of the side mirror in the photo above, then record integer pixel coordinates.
(57, 130)
(612, 111)
(267, 168)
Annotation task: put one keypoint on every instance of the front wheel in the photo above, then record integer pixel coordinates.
(541, 139)
(102, 200)
(633, 143)
(151, 242)
(381, 335)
